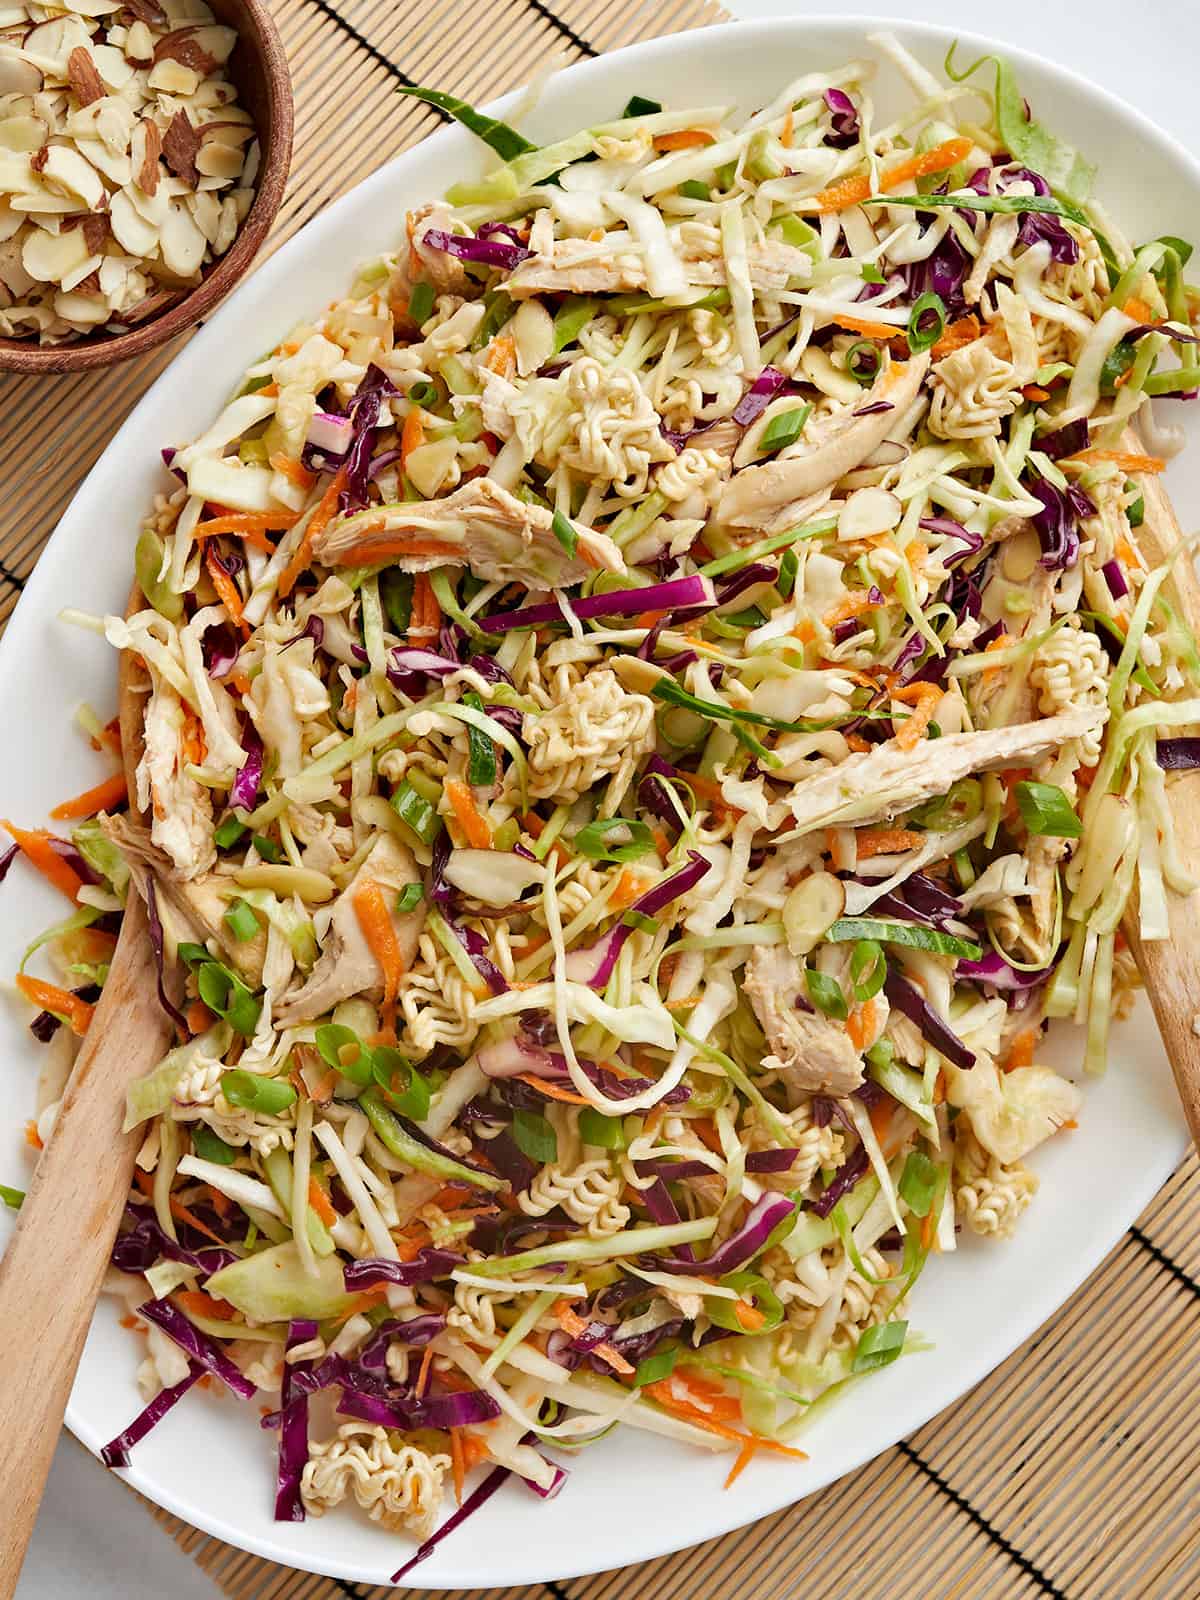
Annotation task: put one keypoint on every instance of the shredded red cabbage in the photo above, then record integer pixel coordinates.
(470, 1505)
(145, 1243)
(1178, 755)
(758, 396)
(844, 1179)
(430, 1262)
(1057, 523)
(244, 791)
(594, 964)
(1114, 577)
(843, 120)
(764, 1216)
(417, 1331)
(954, 530)
(917, 1009)
(156, 943)
(293, 1429)
(1068, 441)
(486, 252)
(992, 969)
(165, 1314)
(694, 590)
(116, 1452)
(476, 947)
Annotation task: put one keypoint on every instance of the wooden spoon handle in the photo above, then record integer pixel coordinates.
(51, 1272)
(1170, 967)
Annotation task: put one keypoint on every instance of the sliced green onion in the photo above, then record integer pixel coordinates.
(395, 1137)
(754, 1290)
(634, 840)
(423, 394)
(993, 204)
(879, 1346)
(913, 935)
(481, 759)
(789, 567)
(1177, 381)
(390, 1070)
(241, 921)
(420, 301)
(868, 970)
(630, 1242)
(224, 992)
(505, 141)
(1046, 810)
(784, 428)
(499, 309)
(565, 533)
(395, 593)
(745, 554)
(918, 1183)
(416, 812)
(228, 832)
(693, 189)
(409, 898)
(926, 322)
(340, 1048)
(192, 954)
(863, 361)
(11, 1197)
(871, 273)
(572, 319)
(607, 1133)
(210, 1147)
(534, 1136)
(267, 848)
(639, 920)
(1116, 364)
(653, 1368)
(1136, 509)
(253, 1092)
(674, 694)
(639, 106)
(826, 994)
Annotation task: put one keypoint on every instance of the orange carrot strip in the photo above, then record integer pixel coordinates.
(959, 334)
(104, 797)
(459, 1465)
(468, 815)
(501, 356)
(321, 1203)
(552, 1090)
(749, 1316)
(40, 853)
(860, 1024)
(1021, 1052)
(198, 1304)
(226, 589)
(50, 997)
(852, 606)
(1137, 308)
(423, 1375)
(913, 730)
(245, 522)
(294, 471)
(869, 329)
(302, 555)
(685, 139)
(371, 909)
(32, 1137)
(426, 616)
(885, 841)
(744, 1457)
(1127, 460)
(853, 191)
(412, 435)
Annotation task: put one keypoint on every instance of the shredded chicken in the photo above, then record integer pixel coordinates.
(180, 809)
(811, 1053)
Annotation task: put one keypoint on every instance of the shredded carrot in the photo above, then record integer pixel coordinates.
(852, 606)
(928, 1228)
(198, 1304)
(853, 191)
(926, 696)
(705, 1130)
(1125, 552)
(302, 555)
(804, 631)
(412, 435)
(1127, 460)
(744, 1457)
(459, 1465)
(426, 617)
(869, 329)
(221, 1203)
(1021, 1051)
(268, 389)
(501, 356)
(860, 1024)
(685, 139)
(630, 886)
(939, 1088)
(571, 1322)
(226, 589)
(552, 1090)
(475, 1450)
(423, 1375)
(32, 1137)
(468, 815)
(1137, 308)
(244, 523)
(1034, 391)
(885, 841)
(699, 1394)
(374, 918)
(178, 1210)
(50, 997)
(104, 797)
(880, 1116)
(957, 336)
(39, 851)
(788, 130)
(749, 1316)
(90, 945)
(321, 1203)
(294, 471)
(192, 739)
(857, 743)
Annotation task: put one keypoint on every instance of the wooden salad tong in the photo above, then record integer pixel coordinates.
(51, 1272)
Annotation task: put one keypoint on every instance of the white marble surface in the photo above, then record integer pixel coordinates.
(92, 1537)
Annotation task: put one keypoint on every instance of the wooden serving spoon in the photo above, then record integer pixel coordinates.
(1170, 968)
(51, 1272)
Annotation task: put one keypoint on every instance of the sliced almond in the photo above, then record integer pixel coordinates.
(66, 172)
(153, 207)
(49, 257)
(85, 80)
(130, 229)
(139, 44)
(49, 45)
(18, 75)
(89, 311)
(181, 242)
(148, 11)
(112, 66)
(116, 168)
(29, 133)
(214, 160)
(206, 213)
(37, 161)
(250, 170)
(180, 146)
(10, 220)
(867, 512)
(84, 276)
(174, 77)
(96, 229)
(185, 47)
(145, 148)
(226, 228)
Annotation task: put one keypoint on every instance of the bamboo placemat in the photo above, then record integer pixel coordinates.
(1071, 1473)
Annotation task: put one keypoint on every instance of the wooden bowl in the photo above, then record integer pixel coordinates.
(258, 66)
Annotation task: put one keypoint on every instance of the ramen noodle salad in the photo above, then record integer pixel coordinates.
(652, 702)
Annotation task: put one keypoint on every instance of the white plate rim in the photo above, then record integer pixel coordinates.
(1138, 1189)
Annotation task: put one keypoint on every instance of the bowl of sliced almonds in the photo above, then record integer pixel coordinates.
(144, 147)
